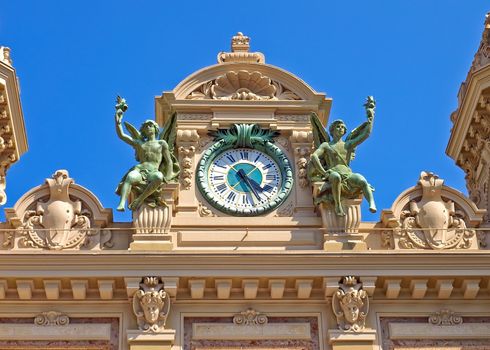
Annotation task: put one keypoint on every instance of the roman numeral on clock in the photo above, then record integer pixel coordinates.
(221, 188)
(247, 200)
(268, 188)
(244, 154)
(231, 196)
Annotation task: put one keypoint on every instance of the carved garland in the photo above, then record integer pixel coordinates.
(186, 166)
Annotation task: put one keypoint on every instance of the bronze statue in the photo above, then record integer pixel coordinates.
(154, 152)
(330, 163)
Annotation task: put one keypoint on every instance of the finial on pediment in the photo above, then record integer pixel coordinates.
(240, 43)
(240, 46)
(5, 55)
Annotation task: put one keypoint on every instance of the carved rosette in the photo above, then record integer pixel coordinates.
(350, 305)
(51, 318)
(58, 223)
(151, 305)
(243, 85)
(250, 317)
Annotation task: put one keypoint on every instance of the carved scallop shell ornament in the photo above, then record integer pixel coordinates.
(243, 85)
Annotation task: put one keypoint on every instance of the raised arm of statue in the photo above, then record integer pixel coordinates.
(362, 132)
(121, 107)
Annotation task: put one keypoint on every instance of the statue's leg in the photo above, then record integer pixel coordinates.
(154, 181)
(359, 181)
(336, 180)
(133, 177)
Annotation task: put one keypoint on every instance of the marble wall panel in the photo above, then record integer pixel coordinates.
(252, 344)
(430, 344)
(112, 344)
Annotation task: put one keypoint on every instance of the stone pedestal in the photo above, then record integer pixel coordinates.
(346, 340)
(152, 225)
(341, 232)
(139, 340)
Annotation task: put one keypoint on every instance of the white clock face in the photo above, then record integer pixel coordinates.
(244, 180)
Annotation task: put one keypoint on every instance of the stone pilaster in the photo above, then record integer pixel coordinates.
(187, 144)
(301, 144)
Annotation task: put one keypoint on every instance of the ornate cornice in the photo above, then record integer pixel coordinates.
(13, 139)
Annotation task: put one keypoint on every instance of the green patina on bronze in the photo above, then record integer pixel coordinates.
(250, 136)
(330, 163)
(154, 150)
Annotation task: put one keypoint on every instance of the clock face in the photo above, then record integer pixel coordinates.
(245, 181)
(244, 178)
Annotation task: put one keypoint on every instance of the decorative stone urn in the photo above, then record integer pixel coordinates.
(152, 224)
(341, 232)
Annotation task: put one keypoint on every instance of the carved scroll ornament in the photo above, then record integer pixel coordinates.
(445, 317)
(250, 317)
(51, 318)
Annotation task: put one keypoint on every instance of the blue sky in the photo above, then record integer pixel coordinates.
(73, 57)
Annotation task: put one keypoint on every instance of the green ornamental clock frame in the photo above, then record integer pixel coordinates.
(244, 173)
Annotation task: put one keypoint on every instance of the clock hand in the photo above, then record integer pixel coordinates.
(244, 177)
(255, 184)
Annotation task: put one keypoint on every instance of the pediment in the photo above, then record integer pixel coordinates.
(245, 82)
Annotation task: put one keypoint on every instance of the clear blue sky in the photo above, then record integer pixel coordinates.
(73, 57)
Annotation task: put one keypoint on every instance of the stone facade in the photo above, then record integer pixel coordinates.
(190, 275)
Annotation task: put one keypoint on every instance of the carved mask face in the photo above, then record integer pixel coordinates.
(351, 311)
(151, 305)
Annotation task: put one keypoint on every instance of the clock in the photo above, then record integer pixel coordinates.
(244, 181)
